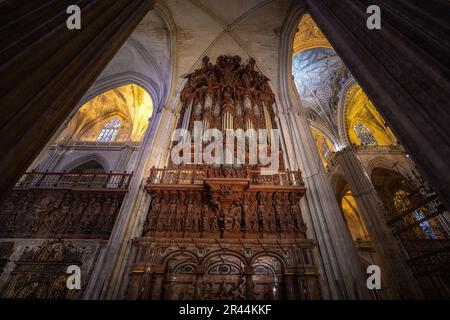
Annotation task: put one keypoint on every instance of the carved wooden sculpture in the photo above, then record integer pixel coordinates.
(224, 232)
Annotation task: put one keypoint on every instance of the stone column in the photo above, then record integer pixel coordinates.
(47, 68)
(125, 156)
(335, 255)
(403, 68)
(112, 281)
(397, 278)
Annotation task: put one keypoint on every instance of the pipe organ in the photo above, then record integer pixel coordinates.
(225, 231)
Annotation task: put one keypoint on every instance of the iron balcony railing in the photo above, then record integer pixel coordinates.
(63, 180)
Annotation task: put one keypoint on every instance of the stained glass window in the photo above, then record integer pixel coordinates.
(109, 131)
(425, 225)
(364, 134)
(402, 204)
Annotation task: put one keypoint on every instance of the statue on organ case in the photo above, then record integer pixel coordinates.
(227, 212)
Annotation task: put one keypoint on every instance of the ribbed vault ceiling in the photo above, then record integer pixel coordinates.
(249, 28)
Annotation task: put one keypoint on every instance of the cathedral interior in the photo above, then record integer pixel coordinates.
(88, 137)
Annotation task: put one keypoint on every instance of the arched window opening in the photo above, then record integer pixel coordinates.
(121, 115)
(364, 134)
(109, 131)
(326, 151)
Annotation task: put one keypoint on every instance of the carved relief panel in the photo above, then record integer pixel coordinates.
(223, 270)
(58, 213)
(224, 231)
(206, 214)
(41, 271)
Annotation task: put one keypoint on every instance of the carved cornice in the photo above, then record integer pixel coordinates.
(227, 83)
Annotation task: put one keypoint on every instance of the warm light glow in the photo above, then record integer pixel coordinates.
(353, 218)
(309, 36)
(360, 112)
(324, 146)
(130, 104)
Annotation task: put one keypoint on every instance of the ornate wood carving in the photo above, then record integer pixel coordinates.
(224, 232)
(59, 214)
(224, 211)
(40, 272)
(233, 269)
(227, 87)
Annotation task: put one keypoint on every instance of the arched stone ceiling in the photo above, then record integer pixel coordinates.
(230, 11)
(315, 72)
(130, 103)
(146, 55)
(173, 38)
(319, 74)
(359, 109)
(315, 65)
(249, 28)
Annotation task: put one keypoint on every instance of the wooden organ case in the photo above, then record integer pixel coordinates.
(225, 231)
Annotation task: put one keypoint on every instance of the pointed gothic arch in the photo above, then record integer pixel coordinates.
(94, 157)
(130, 104)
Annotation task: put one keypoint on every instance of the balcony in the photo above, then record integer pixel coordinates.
(198, 176)
(367, 148)
(75, 181)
